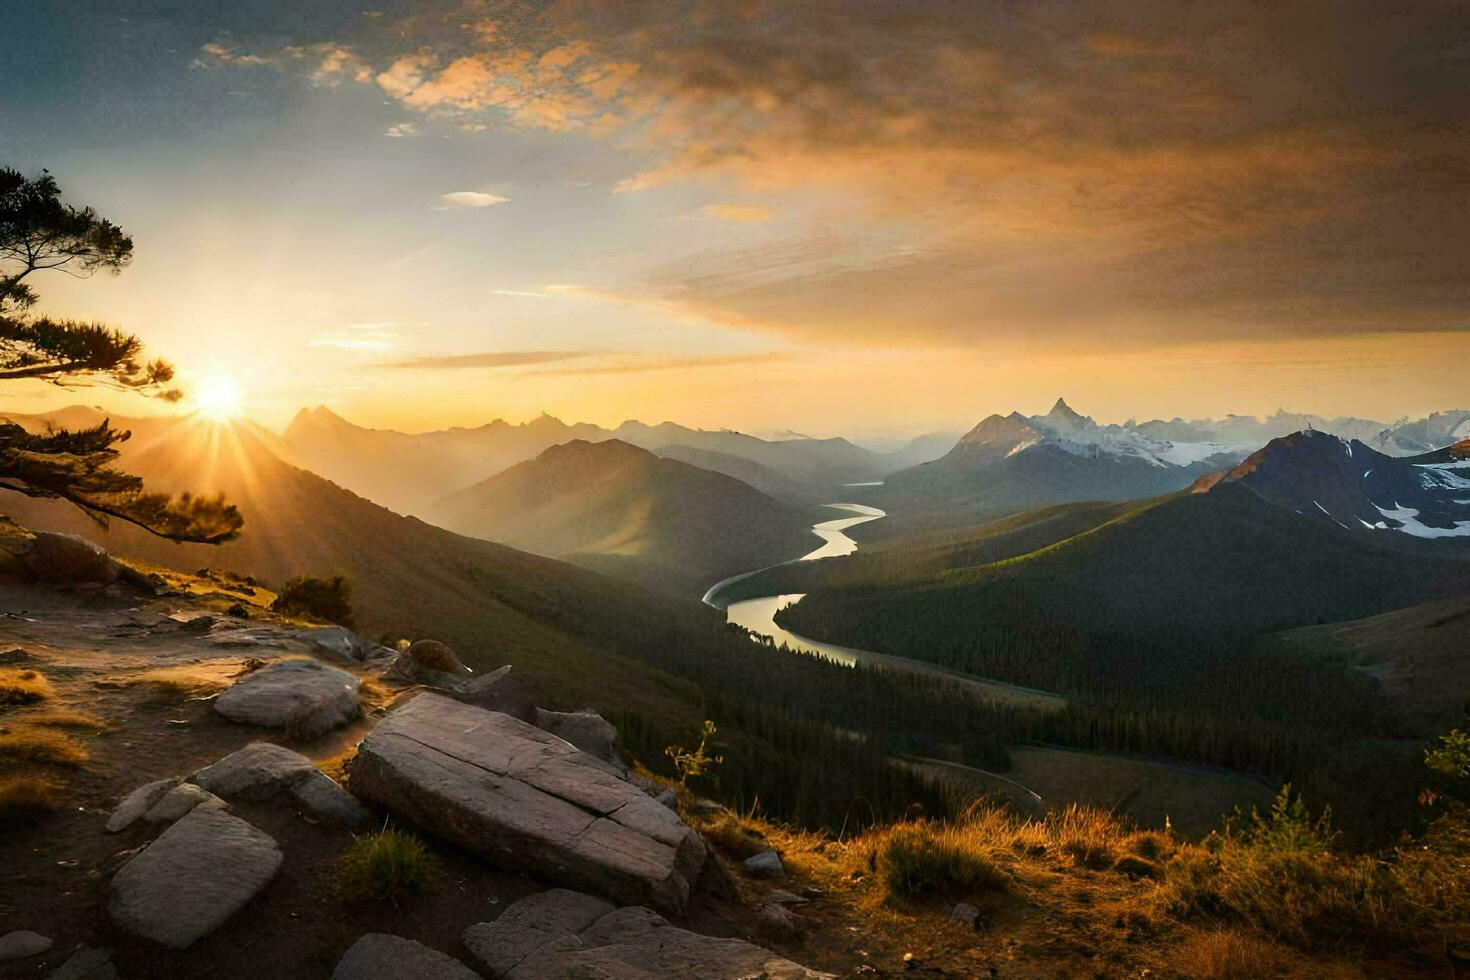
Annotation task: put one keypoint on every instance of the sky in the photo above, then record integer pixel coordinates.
(867, 218)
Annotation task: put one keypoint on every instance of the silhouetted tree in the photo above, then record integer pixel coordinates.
(40, 233)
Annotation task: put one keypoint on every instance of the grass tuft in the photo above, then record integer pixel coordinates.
(67, 719)
(22, 686)
(385, 866)
(920, 859)
(24, 797)
(40, 747)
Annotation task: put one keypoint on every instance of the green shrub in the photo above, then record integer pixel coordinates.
(328, 599)
(919, 859)
(385, 866)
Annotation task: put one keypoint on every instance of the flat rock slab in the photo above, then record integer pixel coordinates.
(527, 801)
(305, 697)
(378, 956)
(196, 875)
(182, 799)
(552, 936)
(255, 773)
(321, 797)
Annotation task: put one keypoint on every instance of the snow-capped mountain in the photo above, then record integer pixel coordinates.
(1350, 483)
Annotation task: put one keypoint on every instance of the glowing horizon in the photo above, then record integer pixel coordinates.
(894, 219)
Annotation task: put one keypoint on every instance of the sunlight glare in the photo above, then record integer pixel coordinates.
(219, 398)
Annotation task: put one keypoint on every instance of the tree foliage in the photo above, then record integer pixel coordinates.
(41, 233)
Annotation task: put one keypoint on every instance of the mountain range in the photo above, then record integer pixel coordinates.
(622, 510)
(406, 472)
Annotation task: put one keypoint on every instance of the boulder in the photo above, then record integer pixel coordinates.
(197, 874)
(305, 697)
(257, 772)
(429, 662)
(378, 956)
(22, 943)
(87, 963)
(526, 801)
(139, 802)
(966, 913)
(319, 795)
(668, 797)
(766, 864)
(549, 937)
(180, 800)
(587, 730)
(71, 560)
(779, 922)
(498, 691)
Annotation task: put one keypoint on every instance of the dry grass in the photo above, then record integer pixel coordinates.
(1231, 955)
(920, 860)
(22, 797)
(740, 837)
(67, 719)
(22, 686)
(40, 748)
(192, 681)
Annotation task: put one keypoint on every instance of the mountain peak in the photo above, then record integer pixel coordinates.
(1062, 412)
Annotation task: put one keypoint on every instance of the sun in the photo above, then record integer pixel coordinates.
(219, 398)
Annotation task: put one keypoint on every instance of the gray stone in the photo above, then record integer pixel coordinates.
(341, 642)
(87, 963)
(966, 913)
(139, 802)
(766, 864)
(668, 798)
(197, 874)
(542, 922)
(257, 772)
(378, 956)
(587, 730)
(72, 560)
(527, 801)
(778, 921)
(319, 795)
(180, 800)
(629, 943)
(498, 691)
(783, 897)
(305, 697)
(22, 943)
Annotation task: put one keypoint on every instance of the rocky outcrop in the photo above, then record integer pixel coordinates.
(429, 662)
(196, 875)
(70, 560)
(378, 956)
(587, 730)
(561, 935)
(527, 801)
(304, 697)
(500, 691)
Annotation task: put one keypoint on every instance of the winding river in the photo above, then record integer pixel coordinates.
(759, 616)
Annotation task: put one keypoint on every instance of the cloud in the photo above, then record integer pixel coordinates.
(491, 359)
(357, 337)
(1164, 172)
(738, 213)
(401, 130)
(640, 363)
(471, 199)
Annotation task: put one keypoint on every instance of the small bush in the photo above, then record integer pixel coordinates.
(919, 859)
(1230, 955)
(386, 866)
(40, 747)
(22, 797)
(328, 599)
(22, 686)
(1150, 845)
(1137, 867)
